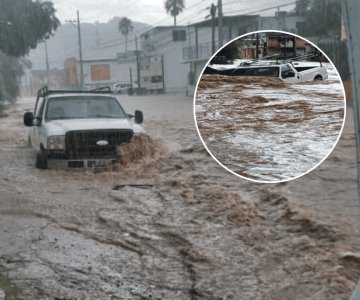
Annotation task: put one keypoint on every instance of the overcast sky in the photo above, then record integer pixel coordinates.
(96, 10)
(153, 12)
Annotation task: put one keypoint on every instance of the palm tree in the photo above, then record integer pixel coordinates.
(174, 7)
(125, 27)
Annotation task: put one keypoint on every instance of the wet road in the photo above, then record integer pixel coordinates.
(265, 130)
(174, 224)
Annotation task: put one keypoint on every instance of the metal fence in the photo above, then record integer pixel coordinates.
(338, 54)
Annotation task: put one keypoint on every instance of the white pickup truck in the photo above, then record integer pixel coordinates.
(79, 129)
(295, 73)
(290, 72)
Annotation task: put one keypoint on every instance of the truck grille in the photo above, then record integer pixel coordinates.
(85, 144)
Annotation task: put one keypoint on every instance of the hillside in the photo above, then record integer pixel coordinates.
(99, 40)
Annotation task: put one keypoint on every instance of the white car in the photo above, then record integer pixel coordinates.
(79, 129)
(123, 88)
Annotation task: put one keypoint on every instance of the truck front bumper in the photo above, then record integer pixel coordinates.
(58, 160)
(80, 163)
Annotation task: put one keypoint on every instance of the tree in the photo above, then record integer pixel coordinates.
(302, 6)
(174, 7)
(24, 23)
(11, 70)
(328, 11)
(125, 27)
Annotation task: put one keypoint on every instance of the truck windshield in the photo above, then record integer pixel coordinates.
(81, 107)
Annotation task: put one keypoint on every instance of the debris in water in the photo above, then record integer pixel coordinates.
(139, 185)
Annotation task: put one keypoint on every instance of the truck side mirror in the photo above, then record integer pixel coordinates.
(139, 118)
(28, 119)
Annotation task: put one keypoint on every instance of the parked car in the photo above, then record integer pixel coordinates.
(122, 88)
(79, 129)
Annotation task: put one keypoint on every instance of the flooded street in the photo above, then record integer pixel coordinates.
(173, 224)
(267, 130)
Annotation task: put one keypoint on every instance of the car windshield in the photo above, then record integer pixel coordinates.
(81, 107)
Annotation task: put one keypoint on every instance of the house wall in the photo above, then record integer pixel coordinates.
(175, 72)
(151, 74)
(159, 42)
(102, 72)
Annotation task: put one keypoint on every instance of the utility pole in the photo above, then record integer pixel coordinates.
(220, 23)
(80, 52)
(257, 46)
(137, 64)
(212, 13)
(80, 47)
(162, 72)
(131, 81)
(352, 23)
(196, 43)
(294, 44)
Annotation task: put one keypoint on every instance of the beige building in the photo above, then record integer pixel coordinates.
(71, 73)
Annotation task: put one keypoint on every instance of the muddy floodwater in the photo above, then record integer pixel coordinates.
(171, 223)
(267, 130)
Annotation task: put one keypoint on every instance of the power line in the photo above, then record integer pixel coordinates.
(264, 9)
(234, 1)
(139, 32)
(186, 16)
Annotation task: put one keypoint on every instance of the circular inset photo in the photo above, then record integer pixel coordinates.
(269, 106)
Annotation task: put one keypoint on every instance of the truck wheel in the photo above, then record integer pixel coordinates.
(41, 160)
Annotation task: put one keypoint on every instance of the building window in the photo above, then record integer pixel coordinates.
(179, 35)
(100, 72)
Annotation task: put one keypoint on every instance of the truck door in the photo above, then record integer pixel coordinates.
(38, 119)
(289, 74)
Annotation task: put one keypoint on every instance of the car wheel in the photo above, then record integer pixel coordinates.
(41, 160)
(318, 77)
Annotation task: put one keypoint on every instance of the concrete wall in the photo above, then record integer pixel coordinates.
(159, 42)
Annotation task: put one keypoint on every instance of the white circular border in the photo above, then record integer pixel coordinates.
(283, 180)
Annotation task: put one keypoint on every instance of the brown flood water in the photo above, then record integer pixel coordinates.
(264, 129)
(170, 223)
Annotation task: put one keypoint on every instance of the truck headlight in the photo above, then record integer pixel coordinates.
(56, 142)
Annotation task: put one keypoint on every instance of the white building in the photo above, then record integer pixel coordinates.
(101, 71)
(185, 50)
(200, 47)
(165, 43)
(106, 71)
